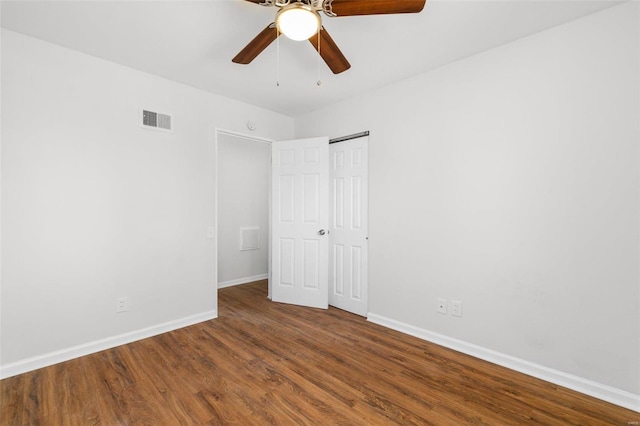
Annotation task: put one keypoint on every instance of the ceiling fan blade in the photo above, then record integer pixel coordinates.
(375, 7)
(330, 52)
(257, 45)
(256, 1)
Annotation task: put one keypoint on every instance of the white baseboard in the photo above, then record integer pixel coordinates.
(56, 357)
(244, 280)
(597, 390)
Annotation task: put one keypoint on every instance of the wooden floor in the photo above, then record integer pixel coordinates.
(267, 363)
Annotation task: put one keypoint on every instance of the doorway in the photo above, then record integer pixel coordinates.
(243, 170)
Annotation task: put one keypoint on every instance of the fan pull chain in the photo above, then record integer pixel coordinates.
(277, 57)
(319, 82)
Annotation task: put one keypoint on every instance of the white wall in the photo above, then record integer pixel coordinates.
(244, 173)
(96, 208)
(510, 181)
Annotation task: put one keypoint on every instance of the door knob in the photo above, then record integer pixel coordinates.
(321, 232)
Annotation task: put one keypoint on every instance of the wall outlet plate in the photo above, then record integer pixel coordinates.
(456, 308)
(122, 305)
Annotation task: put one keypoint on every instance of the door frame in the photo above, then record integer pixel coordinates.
(231, 133)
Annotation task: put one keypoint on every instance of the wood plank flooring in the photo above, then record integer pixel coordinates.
(267, 363)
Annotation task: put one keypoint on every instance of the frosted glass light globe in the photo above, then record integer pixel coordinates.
(297, 22)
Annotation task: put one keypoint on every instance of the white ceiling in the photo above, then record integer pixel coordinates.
(192, 42)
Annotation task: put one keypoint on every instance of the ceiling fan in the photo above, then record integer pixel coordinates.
(301, 20)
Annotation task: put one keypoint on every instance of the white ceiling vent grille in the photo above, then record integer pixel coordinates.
(155, 120)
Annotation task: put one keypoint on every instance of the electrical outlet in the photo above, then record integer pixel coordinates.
(456, 308)
(442, 306)
(122, 305)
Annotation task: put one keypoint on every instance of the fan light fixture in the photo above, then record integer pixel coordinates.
(298, 21)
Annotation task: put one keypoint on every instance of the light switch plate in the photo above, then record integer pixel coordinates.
(211, 232)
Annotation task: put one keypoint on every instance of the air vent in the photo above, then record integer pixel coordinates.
(250, 238)
(156, 120)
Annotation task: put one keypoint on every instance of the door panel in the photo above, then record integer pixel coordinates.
(287, 261)
(338, 203)
(348, 251)
(300, 210)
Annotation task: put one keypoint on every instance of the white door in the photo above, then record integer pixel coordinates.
(349, 223)
(299, 248)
